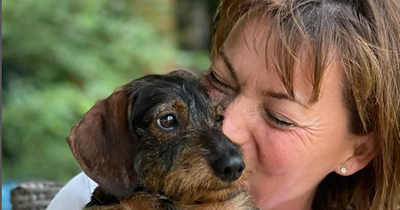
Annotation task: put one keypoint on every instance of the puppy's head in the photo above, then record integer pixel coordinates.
(163, 133)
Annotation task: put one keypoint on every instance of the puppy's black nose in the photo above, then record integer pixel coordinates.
(229, 167)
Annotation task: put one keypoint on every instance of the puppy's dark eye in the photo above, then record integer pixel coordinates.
(168, 122)
(220, 118)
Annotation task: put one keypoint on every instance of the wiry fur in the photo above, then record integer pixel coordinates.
(143, 201)
(140, 164)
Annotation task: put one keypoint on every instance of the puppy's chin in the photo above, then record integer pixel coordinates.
(221, 195)
(197, 196)
(216, 192)
(224, 190)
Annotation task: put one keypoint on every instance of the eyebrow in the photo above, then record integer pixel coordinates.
(283, 96)
(227, 63)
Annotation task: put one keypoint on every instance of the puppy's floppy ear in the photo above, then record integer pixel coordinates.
(104, 146)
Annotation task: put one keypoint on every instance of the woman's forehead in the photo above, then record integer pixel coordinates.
(299, 59)
(251, 31)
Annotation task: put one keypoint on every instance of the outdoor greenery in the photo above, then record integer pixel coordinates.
(60, 57)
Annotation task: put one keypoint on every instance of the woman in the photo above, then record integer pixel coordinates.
(312, 91)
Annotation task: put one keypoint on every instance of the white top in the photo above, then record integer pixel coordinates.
(74, 195)
(77, 192)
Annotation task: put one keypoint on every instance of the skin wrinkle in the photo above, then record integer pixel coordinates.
(289, 161)
(228, 64)
(266, 145)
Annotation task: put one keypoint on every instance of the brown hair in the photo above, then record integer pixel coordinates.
(365, 37)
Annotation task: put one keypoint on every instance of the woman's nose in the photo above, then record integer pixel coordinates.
(236, 122)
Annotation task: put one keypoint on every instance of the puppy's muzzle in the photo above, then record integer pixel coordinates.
(229, 166)
(225, 160)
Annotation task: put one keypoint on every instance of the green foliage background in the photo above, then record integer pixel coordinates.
(59, 58)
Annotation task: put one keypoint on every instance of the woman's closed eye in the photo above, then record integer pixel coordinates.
(219, 83)
(277, 120)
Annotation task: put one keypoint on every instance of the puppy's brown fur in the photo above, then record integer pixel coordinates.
(157, 143)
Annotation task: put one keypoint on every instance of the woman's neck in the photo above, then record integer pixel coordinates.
(303, 202)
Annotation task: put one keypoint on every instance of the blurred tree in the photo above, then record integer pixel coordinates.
(59, 58)
(194, 20)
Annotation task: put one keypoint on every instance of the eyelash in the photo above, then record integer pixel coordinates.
(277, 121)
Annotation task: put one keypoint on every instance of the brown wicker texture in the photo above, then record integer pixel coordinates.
(34, 195)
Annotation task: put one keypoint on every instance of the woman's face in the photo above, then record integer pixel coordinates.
(289, 145)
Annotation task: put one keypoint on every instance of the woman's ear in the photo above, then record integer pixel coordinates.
(364, 151)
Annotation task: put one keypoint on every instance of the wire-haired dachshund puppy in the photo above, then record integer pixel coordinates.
(156, 143)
